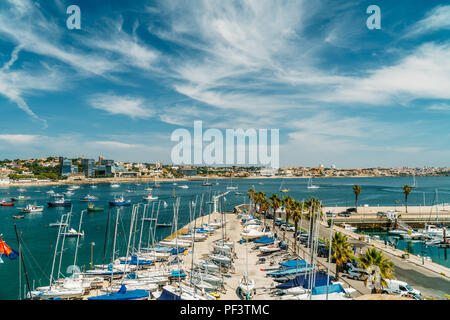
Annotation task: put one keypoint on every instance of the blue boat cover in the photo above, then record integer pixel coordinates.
(166, 295)
(134, 261)
(293, 263)
(289, 271)
(331, 289)
(264, 240)
(174, 251)
(303, 281)
(123, 294)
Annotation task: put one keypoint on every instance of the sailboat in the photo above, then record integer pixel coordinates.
(231, 187)
(156, 184)
(311, 186)
(247, 285)
(414, 185)
(281, 188)
(207, 183)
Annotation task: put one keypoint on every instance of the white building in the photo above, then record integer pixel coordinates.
(268, 172)
(4, 180)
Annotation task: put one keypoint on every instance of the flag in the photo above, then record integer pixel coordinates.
(5, 250)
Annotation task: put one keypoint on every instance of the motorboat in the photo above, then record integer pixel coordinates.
(72, 233)
(120, 202)
(59, 203)
(433, 231)
(57, 224)
(90, 198)
(115, 185)
(7, 204)
(20, 198)
(68, 193)
(184, 186)
(150, 197)
(50, 192)
(93, 208)
(32, 208)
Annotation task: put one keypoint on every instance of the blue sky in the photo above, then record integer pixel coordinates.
(137, 70)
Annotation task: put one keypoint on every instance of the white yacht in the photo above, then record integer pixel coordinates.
(312, 186)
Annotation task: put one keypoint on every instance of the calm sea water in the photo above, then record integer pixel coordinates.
(39, 240)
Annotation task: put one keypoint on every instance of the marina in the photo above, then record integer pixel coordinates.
(211, 244)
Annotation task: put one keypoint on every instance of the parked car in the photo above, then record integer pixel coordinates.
(269, 215)
(278, 222)
(401, 288)
(331, 214)
(344, 214)
(357, 274)
(351, 210)
(288, 228)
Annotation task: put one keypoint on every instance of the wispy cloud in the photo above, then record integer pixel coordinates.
(14, 139)
(436, 19)
(132, 107)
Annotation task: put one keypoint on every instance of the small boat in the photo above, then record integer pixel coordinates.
(184, 186)
(285, 190)
(311, 186)
(20, 198)
(21, 190)
(270, 249)
(57, 195)
(6, 204)
(124, 294)
(247, 287)
(32, 208)
(18, 217)
(120, 202)
(72, 233)
(164, 225)
(348, 227)
(148, 189)
(57, 224)
(115, 185)
(50, 192)
(149, 197)
(68, 193)
(92, 208)
(59, 203)
(90, 198)
(220, 258)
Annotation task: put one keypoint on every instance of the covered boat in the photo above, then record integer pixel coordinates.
(124, 294)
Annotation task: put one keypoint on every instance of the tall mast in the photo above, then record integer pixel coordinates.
(21, 257)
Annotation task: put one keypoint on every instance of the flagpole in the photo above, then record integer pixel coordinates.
(23, 262)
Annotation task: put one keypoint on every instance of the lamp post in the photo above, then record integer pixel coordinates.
(329, 255)
(92, 253)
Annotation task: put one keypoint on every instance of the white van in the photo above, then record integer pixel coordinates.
(401, 288)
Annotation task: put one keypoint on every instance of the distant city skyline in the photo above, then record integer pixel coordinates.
(338, 92)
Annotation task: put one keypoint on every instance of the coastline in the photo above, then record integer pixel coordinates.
(152, 179)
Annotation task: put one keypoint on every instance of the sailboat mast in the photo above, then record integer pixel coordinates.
(21, 258)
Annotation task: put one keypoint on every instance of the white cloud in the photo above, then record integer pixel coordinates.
(115, 145)
(436, 19)
(126, 105)
(18, 138)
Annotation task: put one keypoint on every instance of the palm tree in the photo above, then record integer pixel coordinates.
(251, 195)
(356, 191)
(313, 203)
(264, 206)
(296, 216)
(275, 204)
(406, 190)
(340, 251)
(374, 261)
(288, 203)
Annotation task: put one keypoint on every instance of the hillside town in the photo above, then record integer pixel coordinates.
(60, 168)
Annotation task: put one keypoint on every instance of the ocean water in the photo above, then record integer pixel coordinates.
(38, 240)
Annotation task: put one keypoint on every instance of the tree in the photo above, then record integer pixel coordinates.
(251, 195)
(375, 262)
(275, 204)
(288, 203)
(296, 216)
(340, 251)
(356, 191)
(406, 190)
